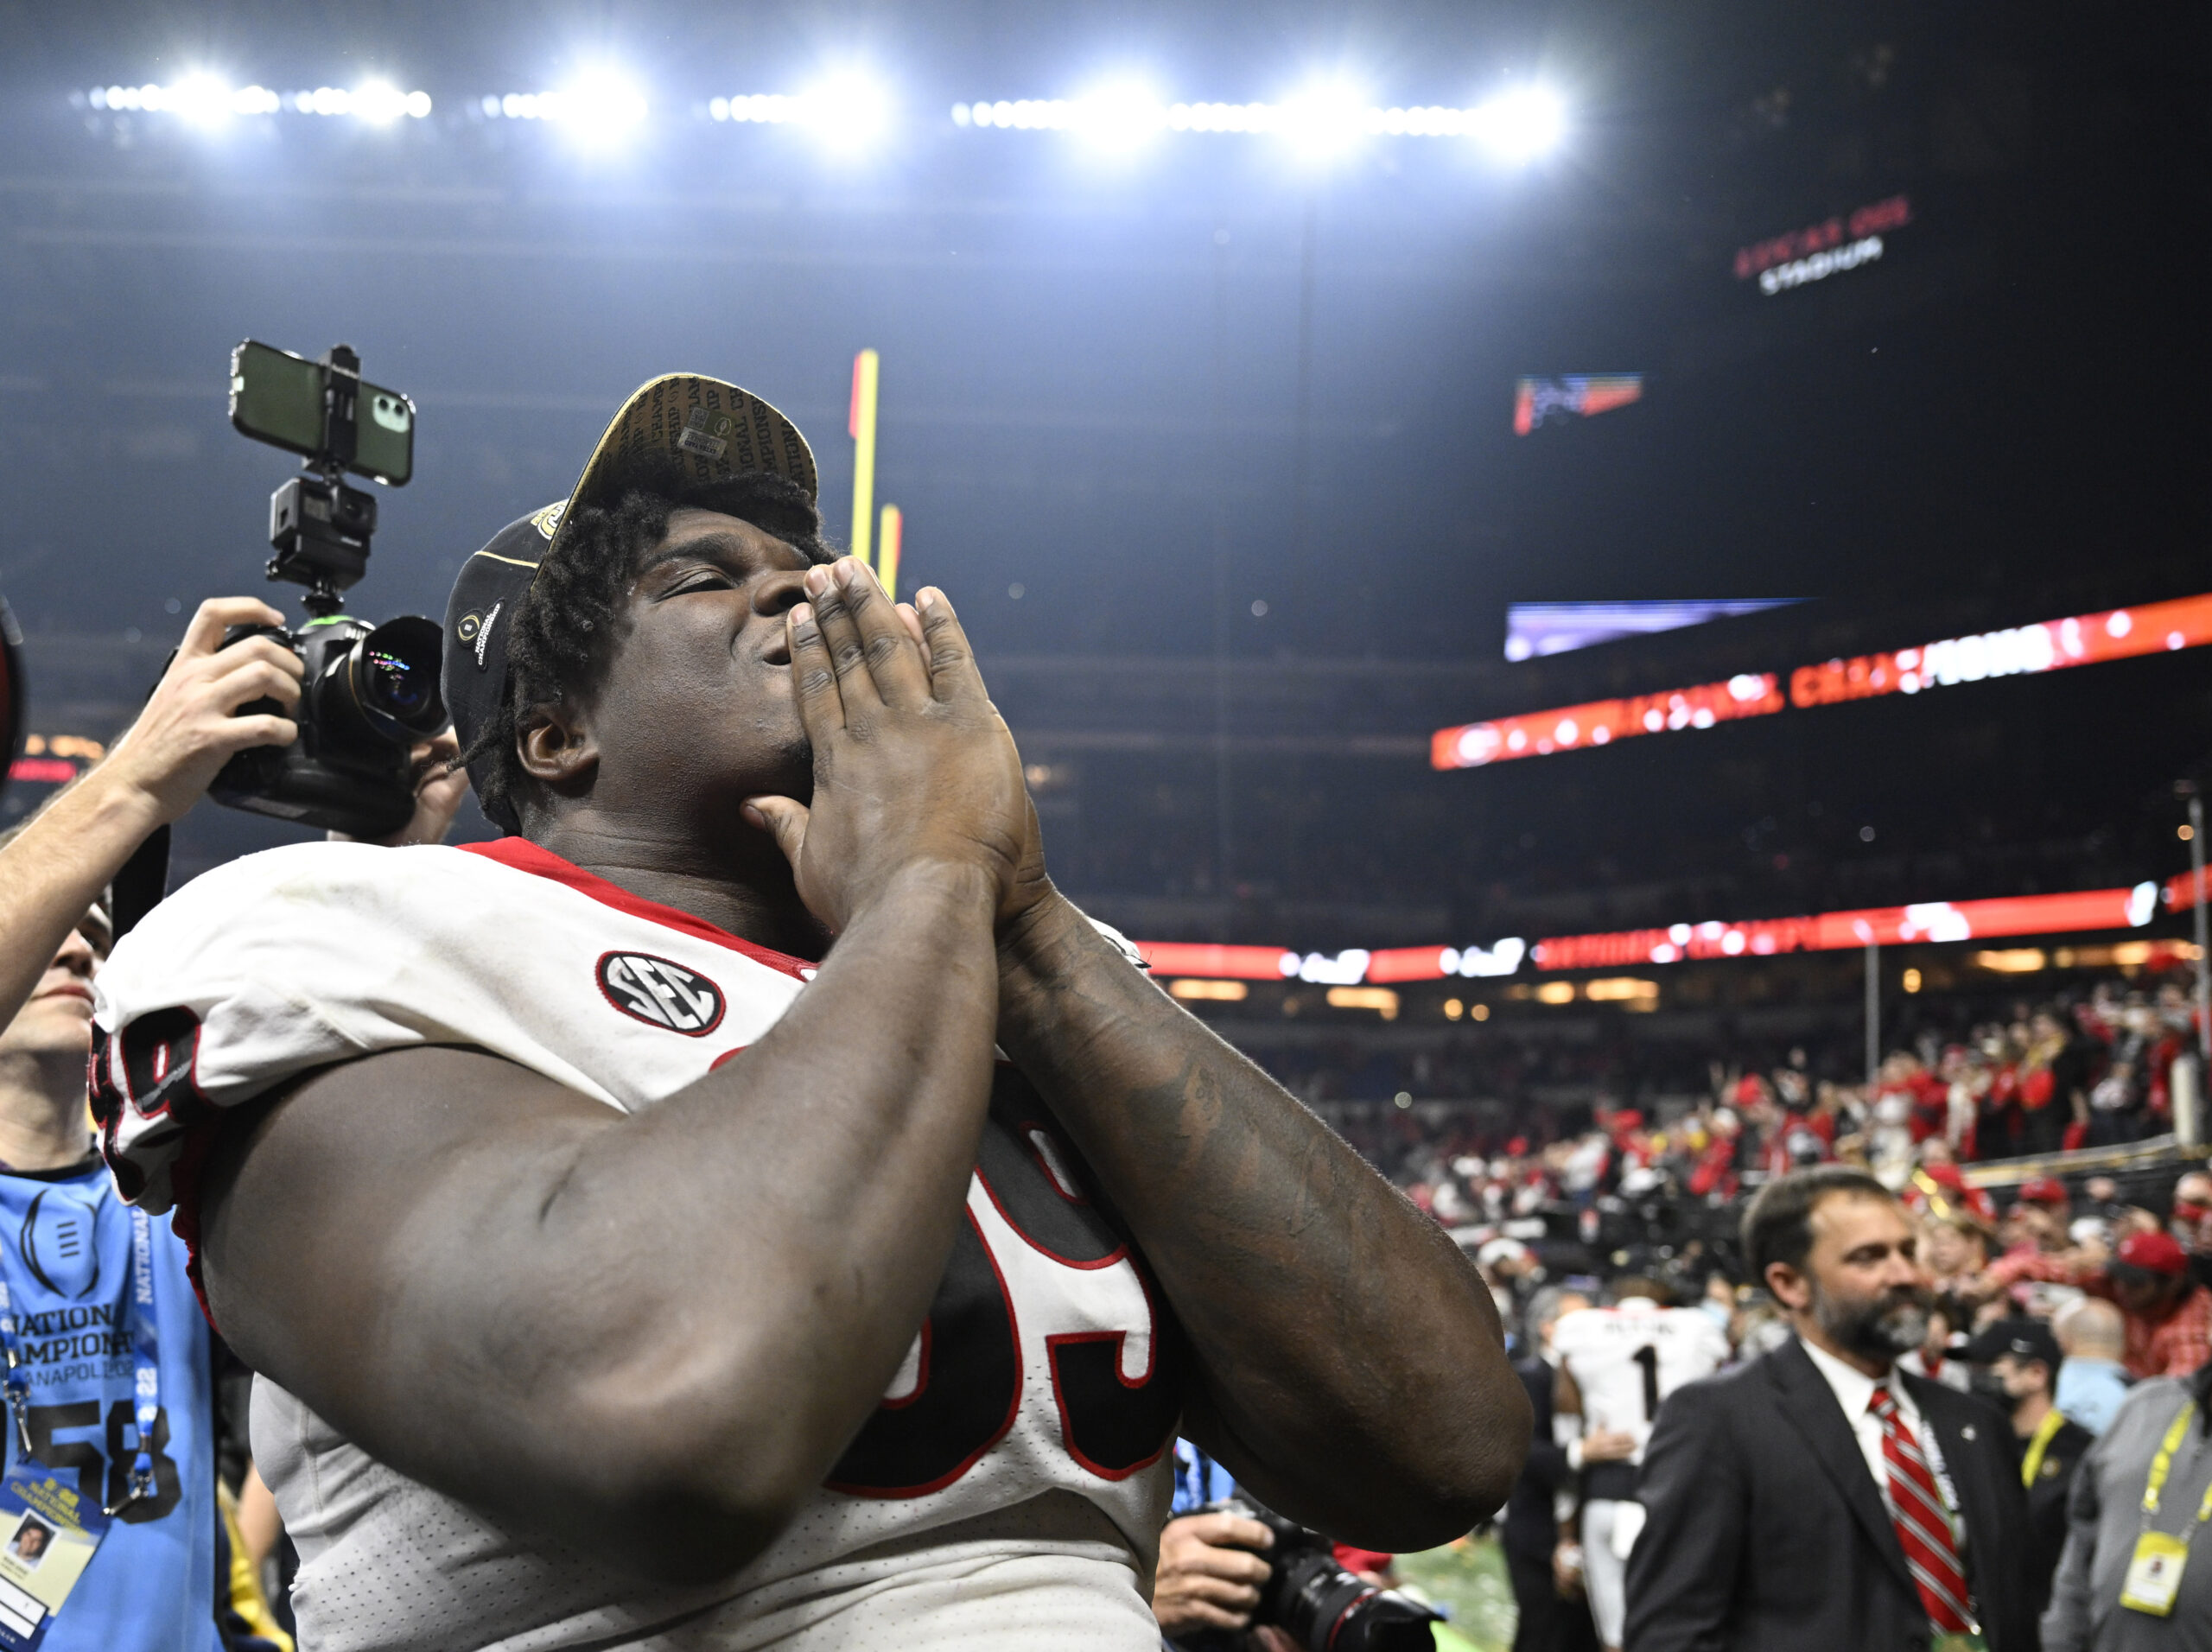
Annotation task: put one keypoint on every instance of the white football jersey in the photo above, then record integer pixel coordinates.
(1008, 1493)
(1626, 1360)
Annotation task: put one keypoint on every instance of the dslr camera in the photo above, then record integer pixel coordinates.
(1316, 1602)
(371, 691)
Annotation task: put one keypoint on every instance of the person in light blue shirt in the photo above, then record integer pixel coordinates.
(67, 1252)
(2092, 1382)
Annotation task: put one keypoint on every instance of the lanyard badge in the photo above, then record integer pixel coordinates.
(50, 1529)
(2154, 1571)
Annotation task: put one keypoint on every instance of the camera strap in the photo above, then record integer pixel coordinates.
(145, 1359)
(142, 883)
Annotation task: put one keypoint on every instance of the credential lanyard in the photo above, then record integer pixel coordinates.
(145, 1360)
(2046, 1430)
(2163, 1463)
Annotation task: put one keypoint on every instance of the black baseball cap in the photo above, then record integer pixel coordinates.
(710, 429)
(2021, 1337)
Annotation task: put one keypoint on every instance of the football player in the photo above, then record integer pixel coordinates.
(640, 1241)
(1623, 1362)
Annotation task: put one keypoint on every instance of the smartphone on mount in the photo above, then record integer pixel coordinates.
(276, 397)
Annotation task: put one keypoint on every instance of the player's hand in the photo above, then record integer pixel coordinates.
(1209, 1576)
(913, 765)
(1032, 884)
(187, 731)
(1608, 1445)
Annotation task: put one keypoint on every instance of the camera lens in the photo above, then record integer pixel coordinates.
(393, 683)
(395, 677)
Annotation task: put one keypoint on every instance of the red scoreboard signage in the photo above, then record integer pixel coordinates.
(2050, 645)
(2073, 912)
(1942, 920)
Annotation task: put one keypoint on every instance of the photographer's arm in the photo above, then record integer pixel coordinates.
(58, 864)
(1351, 1369)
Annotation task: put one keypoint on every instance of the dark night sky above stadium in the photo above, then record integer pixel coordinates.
(1092, 369)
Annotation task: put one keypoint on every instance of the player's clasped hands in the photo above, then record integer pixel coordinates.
(914, 766)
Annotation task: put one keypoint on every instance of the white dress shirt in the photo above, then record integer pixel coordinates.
(1854, 1392)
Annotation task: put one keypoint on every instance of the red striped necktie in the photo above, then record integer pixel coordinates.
(1923, 1529)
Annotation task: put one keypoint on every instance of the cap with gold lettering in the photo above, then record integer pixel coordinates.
(710, 429)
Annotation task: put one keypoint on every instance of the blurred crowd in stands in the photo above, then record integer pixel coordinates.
(2098, 1071)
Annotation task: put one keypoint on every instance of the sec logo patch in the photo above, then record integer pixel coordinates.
(661, 994)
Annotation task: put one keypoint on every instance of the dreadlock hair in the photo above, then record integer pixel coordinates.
(569, 620)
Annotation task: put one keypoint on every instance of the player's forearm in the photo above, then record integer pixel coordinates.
(55, 870)
(813, 1188)
(652, 1332)
(1346, 1347)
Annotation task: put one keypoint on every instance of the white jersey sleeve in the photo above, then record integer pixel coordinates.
(272, 966)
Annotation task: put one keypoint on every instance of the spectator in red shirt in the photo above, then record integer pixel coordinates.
(2169, 1316)
(2049, 1193)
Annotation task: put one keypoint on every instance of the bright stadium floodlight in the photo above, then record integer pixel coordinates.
(1119, 117)
(1322, 121)
(1519, 126)
(599, 106)
(377, 102)
(848, 110)
(201, 98)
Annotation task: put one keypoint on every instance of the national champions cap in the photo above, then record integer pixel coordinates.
(711, 429)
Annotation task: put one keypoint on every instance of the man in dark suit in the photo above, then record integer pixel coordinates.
(1548, 1621)
(1818, 1499)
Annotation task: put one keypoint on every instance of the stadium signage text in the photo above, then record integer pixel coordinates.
(1821, 243)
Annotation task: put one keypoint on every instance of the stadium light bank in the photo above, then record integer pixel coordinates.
(204, 101)
(850, 109)
(1515, 126)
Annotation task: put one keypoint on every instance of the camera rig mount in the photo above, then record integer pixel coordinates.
(319, 526)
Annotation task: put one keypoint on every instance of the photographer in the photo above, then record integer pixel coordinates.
(109, 1386)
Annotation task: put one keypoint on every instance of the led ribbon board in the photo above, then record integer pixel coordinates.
(2053, 645)
(1935, 921)
(1942, 920)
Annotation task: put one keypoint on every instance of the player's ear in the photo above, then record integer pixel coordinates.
(556, 747)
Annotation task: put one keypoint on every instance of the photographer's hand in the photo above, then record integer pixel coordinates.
(1209, 1576)
(441, 783)
(164, 762)
(57, 866)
